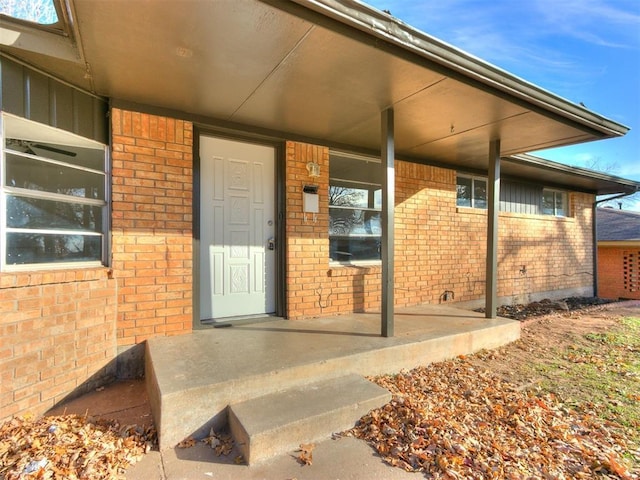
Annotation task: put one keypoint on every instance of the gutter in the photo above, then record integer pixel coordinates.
(630, 186)
(393, 31)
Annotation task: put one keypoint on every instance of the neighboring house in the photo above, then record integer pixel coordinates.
(168, 165)
(618, 234)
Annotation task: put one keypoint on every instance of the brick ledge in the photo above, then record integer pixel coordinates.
(47, 277)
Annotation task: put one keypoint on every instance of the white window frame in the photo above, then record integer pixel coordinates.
(474, 179)
(12, 126)
(565, 202)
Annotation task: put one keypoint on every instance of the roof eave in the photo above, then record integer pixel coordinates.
(383, 26)
(623, 185)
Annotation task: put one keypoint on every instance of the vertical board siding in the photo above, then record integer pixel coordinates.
(520, 198)
(35, 96)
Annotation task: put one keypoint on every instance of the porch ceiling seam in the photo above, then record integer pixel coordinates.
(274, 70)
(383, 26)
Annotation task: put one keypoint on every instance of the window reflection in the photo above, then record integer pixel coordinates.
(355, 201)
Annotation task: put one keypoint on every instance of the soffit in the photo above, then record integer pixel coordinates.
(281, 67)
(563, 176)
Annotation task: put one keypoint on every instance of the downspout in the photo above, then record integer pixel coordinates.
(594, 234)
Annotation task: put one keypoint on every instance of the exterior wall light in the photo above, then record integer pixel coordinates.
(313, 169)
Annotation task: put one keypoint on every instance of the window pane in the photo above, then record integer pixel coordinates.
(26, 248)
(48, 214)
(354, 222)
(34, 174)
(355, 200)
(377, 199)
(463, 192)
(80, 156)
(479, 193)
(38, 11)
(349, 249)
(348, 197)
(561, 209)
(548, 202)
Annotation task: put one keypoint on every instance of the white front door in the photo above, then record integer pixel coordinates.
(237, 229)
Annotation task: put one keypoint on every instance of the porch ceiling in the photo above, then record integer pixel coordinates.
(313, 68)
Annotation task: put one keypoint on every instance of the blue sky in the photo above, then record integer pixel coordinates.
(583, 50)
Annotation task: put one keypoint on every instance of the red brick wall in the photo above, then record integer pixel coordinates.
(538, 255)
(58, 336)
(611, 272)
(152, 200)
(307, 241)
(438, 247)
(61, 329)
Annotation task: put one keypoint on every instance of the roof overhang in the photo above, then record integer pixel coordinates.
(317, 69)
(563, 176)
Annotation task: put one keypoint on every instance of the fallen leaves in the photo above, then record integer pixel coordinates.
(70, 447)
(546, 307)
(305, 457)
(221, 443)
(454, 420)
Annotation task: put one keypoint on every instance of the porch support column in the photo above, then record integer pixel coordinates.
(493, 202)
(388, 204)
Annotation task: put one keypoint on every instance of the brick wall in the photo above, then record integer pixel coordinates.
(61, 330)
(438, 247)
(58, 337)
(152, 224)
(613, 264)
(538, 256)
(307, 242)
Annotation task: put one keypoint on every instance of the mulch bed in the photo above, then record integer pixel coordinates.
(547, 307)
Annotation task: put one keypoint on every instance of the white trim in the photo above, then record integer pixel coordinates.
(38, 267)
(54, 162)
(26, 129)
(84, 233)
(3, 197)
(20, 128)
(59, 197)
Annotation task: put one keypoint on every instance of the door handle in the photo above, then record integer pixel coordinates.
(271, 244)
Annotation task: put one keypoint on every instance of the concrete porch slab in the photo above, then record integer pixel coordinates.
(191, 379)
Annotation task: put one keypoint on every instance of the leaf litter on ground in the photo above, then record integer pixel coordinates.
(70, 447)
(455, 420)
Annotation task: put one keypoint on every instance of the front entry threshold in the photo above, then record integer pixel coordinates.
(239, 320)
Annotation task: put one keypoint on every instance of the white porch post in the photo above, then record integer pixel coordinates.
(493, 202)
(388, 205)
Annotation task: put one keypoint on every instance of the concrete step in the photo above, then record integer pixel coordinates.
(279, 422)
(192, 379)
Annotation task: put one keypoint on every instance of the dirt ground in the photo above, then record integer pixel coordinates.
(543, 336)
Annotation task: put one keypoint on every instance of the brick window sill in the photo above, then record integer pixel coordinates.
(344, 270)
(482, 211)
(47, 277)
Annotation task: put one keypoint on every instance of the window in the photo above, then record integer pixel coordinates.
(471, 191)
(355, 202)
(554, 202)
(53, 196)
(39, 12)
